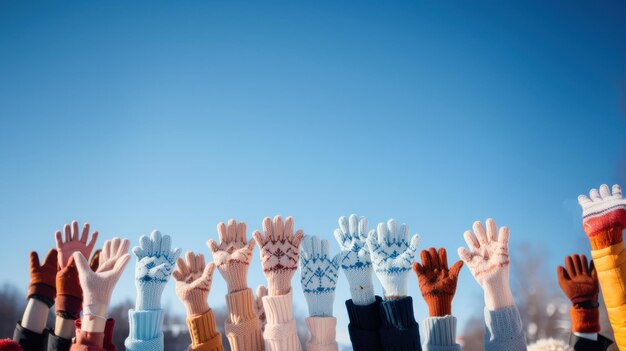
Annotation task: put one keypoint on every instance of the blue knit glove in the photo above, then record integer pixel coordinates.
(155, 264)
(392, 256)
(319, 275)
(355, 258)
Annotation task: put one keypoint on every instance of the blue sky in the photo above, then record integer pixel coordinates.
(144, 115)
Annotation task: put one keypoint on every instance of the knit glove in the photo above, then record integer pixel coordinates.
(604, 216)
(193, 283)
(155, 263)
(355, 258)
(488, 260)
(579, 282)
(42, 284)
(392, 256)
(73, 243)
(233, 255)
(437, 282)
(280, 252)
(98, 286)
(69, 298)
(319, 275)
(261, 292)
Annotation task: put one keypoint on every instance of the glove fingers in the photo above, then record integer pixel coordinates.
(443, 259)
(434, 258)
(569, 265)
(584, 265)
(456, 269)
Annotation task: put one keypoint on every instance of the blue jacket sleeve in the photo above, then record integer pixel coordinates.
(504, 330)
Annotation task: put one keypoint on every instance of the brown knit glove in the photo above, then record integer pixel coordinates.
(436, 281)
(69, 293)
(579, 282)
(42, 284)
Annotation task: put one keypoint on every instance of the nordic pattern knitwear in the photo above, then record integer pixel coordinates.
(145, 330)
(204, 335)
(42, 285)
(355, 258)
(392, 256)
(280, 331)
(193, 283)
(504, 330)
(319, 275)
(439, 334)
(155, 264)
(280, 252)
(323, 332)
(488, 261)
(233, 255)
(603, 209)
(98, 286)
(242, 326)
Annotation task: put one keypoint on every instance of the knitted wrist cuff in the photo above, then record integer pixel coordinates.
(145, 325)
(240, 306)
(42, 292)
(149, 295)
(439, 305)
(236, 277)
(398, 314)
(365, 317)
(498, 295)
(394, 287)
(606, 237)
(439, 331)
(279, 282)
(278, 309)
(320, 305)
(245, 335)
(68, 306)
(202, 328)
(585, 320)
(323, 330)
(196, 304)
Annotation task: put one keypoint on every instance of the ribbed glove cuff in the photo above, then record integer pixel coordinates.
(149, 295)
(585, 320)
(202, 328)
(235, 275)
(439, 305)
(320, 305)
(278, 309)
(240, 306)
(323, 333)
(439, 331)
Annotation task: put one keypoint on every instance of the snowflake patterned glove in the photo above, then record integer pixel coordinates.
(73, 243)
(233, 255)
(193, 283)
(355, 258)
(155, 263)
(604, 216)
(488, 260)
(319, 275)
(280, 252)
(392, 256)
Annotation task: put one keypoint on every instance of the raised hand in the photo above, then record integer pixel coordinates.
(193, 283)
(579, 280)
(98, 286)
(74, 243)
(355, 258)
(437, 282)
(319, 275)
(280, 252)
(42, 285)
(488, 260)
(69, 293)
(155, 263)
(233, 255)
(392, 256)
(604, 215)
(261, 291)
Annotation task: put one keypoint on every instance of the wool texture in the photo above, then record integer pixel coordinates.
(355, 258)
(319, 276)
(42, 285)
(242, 327)
(145, 330)
(233, 255)
(392, 256)
(364, 326)
(603, 209)
(280, 331)
(323, 332)
(437, 283)
(504, 330)
(439, 334)
(203, 331)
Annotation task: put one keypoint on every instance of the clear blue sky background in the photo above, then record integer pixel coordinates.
(142, 115)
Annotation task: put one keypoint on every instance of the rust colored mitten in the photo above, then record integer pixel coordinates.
(436, 281)
(42, 284)
(604, 216)
(579, 282)
(69, 293)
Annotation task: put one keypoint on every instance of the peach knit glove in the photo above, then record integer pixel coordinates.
(193, 283)
(488, 260)
(73, 243)
(280, 252)
(233, 255)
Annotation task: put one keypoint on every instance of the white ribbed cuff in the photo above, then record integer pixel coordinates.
(439, 331)
(278, 309)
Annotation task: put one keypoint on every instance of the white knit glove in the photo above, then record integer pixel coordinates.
(319, 276)
(355, 258)
(392, 256)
